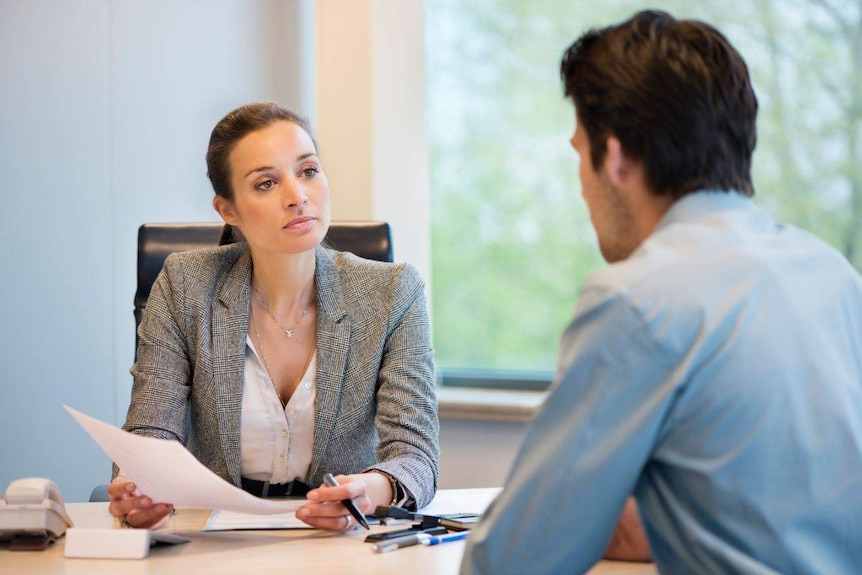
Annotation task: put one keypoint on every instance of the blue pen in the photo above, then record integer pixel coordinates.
(438, 539)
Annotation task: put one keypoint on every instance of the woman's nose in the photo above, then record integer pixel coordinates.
(293, 194)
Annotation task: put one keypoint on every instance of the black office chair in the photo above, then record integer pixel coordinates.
(370, 240)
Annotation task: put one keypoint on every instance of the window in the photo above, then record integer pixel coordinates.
(511, 238)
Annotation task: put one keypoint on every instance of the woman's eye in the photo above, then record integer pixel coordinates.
(310, 172)
(265, 185)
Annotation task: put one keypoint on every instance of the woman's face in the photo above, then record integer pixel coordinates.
(280, 194)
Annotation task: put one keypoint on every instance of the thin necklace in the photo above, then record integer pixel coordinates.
(288, 331)
(265, 362)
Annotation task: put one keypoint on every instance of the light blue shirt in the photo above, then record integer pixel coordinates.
(716, 374)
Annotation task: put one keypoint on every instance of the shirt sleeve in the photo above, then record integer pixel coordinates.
(584, 451)
(162, 370)
(406, 421)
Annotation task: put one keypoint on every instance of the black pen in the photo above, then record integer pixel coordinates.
(348, 503)
(399, 543)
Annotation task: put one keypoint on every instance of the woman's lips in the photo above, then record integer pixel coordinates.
(300, 223)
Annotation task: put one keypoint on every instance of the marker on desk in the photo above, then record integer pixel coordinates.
(423, 538)
(438, 539)
(348, 503)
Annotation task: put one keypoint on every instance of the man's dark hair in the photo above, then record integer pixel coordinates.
(675, 93)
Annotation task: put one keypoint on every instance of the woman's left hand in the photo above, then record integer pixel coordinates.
(325, 510)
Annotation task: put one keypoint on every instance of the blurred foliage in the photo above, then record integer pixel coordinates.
(511, 238)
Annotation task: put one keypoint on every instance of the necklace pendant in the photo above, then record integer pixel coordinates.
(289, 332)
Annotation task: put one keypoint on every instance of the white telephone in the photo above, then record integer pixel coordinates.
(33, 508)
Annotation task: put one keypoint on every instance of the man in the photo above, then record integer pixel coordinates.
(714, 369)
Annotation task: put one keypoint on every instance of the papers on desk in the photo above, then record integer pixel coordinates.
(461, 501)
(166, 472)
(227, 521)
(449, 503)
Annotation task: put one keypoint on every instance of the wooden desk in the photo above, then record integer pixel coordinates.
(258, 552)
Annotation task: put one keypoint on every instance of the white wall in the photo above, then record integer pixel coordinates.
(105, 112)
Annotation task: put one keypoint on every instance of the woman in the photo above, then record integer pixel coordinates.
(294, 359)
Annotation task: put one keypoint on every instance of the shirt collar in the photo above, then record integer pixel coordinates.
(701, 203)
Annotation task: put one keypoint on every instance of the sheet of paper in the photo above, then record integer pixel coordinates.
(460, 501)
(227, 521)
(167, 472)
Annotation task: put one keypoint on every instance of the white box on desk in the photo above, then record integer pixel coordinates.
(87, 543)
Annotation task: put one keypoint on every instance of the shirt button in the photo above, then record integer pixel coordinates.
(281, 457)
(284, 433)
(293, 412)
(307, 386)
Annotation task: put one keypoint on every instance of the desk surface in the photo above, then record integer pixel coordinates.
(229, 552)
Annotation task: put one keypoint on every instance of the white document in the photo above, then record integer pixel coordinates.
(166, 472)
(461, 501)
(447, 502)
(226, 520)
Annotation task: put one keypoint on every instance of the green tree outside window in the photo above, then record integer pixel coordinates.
(511, 238)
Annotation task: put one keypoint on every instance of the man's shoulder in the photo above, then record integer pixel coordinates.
(645, 270)
(684, 276)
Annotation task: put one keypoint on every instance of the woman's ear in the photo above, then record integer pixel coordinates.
(225, 209)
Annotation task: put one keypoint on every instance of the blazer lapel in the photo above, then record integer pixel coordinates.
(229, 329)
(333, 341)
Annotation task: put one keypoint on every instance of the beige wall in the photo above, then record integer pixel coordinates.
(477, 453)
(370, 117)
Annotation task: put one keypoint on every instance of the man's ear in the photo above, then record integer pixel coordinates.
(617, 163)
(225, 209)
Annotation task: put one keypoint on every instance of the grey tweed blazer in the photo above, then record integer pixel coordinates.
(375, 407)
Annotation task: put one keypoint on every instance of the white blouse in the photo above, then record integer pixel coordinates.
(275, 442)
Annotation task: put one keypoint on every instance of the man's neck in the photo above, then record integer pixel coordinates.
(647, 208)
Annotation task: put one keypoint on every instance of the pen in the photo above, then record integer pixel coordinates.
(399, 542)
(348, 503)
(437, 539)
(416, 539)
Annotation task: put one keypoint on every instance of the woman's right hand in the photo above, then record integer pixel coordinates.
(127, 503)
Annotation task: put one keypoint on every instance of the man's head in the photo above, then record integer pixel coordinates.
(674, 93)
